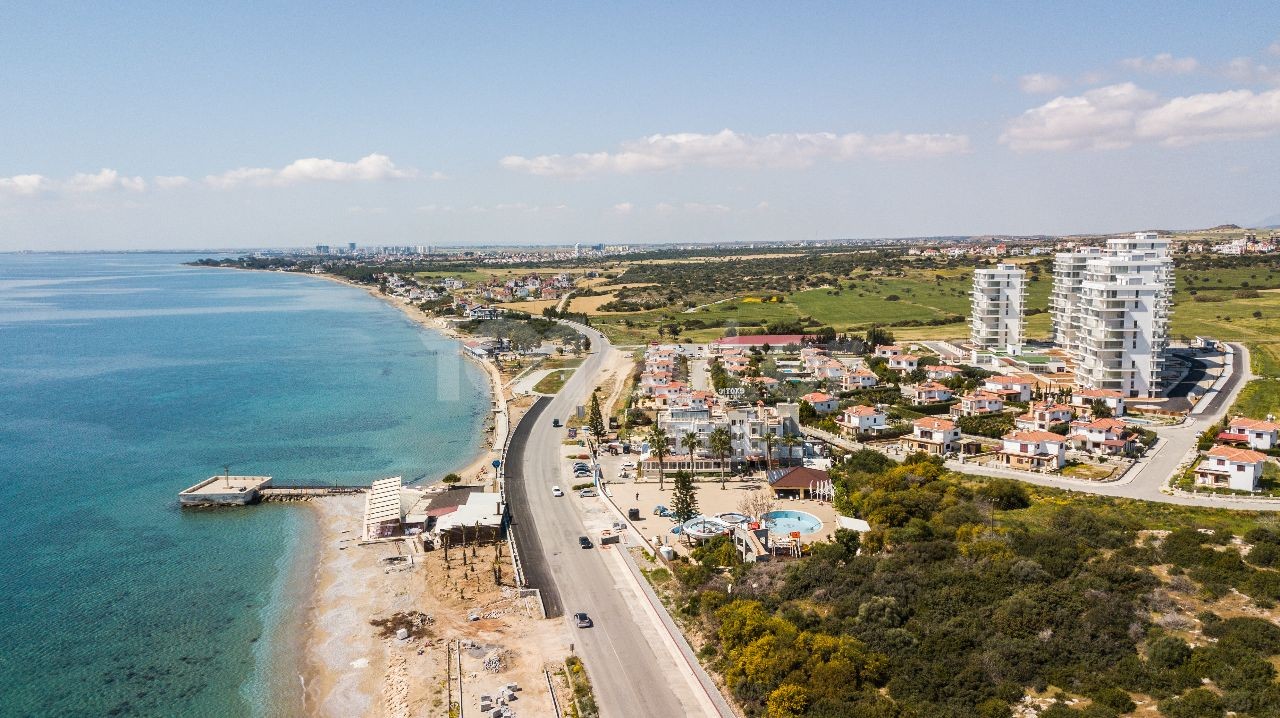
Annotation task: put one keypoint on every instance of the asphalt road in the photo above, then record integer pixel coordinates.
(633, 676)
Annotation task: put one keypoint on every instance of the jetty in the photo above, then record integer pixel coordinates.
(228, 490)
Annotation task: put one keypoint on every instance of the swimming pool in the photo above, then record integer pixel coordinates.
(784, 522)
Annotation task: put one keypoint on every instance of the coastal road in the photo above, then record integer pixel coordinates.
(632, 672)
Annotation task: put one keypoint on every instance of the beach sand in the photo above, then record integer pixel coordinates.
(353, 668)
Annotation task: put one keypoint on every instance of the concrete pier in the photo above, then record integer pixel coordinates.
(225, 491)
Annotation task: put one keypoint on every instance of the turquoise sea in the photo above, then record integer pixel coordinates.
(125, 378)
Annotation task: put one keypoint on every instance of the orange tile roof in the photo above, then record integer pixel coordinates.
(1231, 453)
(1036, 436)
(933, 423)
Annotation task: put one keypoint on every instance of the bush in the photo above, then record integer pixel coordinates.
(1198, 703)
(1168, 652)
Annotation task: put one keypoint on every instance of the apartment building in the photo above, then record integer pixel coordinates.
(996, 315)
(1112, 313)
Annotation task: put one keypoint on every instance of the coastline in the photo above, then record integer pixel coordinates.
(346, 669)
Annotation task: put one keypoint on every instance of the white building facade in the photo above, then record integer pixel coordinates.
(996, 313)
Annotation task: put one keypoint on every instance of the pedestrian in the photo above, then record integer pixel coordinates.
(637, 496)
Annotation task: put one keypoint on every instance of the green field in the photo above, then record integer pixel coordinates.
(553, 382)
(1258, 398)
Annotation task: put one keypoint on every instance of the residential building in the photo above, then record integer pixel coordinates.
(1103, 436)
(863, 420)
(1124, 306)
(932, 435)
(1082, 400)
(978, 403)
(929, 392)
(1043, 415)
(1034, 450)
(1231, 467)
(859, 379)
(1064, 300)
(996, 314)
(1258, 434)
(943, 372)
(904, 362)
(1012, 388)
(822, 403)
(888, 350)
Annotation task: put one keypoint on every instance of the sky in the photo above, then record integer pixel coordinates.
(171, 125)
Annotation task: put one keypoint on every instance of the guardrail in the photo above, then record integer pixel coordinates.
(555, 702)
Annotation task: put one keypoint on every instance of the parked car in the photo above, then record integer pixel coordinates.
(584, 542)
(555, 422)
(583, 620)
(587, 493)
(628, 466)
(555, 491)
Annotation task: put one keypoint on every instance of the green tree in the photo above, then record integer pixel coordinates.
(684, 500)
(595, 419)
(721, 442)
(791, 441)
(877, 335)
(690, 442)
(1100, 409)
(658, 449)
(787, 701)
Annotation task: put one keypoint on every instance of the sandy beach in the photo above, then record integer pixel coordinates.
(356, 668)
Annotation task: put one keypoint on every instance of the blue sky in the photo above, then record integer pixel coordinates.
(154, 125)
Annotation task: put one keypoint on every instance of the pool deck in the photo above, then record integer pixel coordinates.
(711, 501)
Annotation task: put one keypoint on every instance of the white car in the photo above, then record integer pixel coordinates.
(555, 491)
(628, 465)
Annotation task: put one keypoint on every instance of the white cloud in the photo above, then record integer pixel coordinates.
(1119, 115)
(25, 185)
(1274, 49)
(1162, 64)
(438, 176)
(701, 208)
(81, 183)
(103, 181)
(624, 208)
(1040, 84)
(729, 149)
(172, 181)
(1251, 72)
(371, 168)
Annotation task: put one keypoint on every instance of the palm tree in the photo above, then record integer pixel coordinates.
(721, 442)
(690, 442)
(791, 441)
(768, 449)
(658, 447)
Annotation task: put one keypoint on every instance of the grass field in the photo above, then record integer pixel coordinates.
(553, 382)
(1258, 398)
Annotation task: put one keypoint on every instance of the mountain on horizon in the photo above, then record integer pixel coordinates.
(1271, 222)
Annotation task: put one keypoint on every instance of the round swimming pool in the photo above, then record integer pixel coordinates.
(784, 522)
(703, 527)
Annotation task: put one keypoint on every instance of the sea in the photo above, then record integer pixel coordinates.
(125, 378)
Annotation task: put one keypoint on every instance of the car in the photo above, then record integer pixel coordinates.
(628, 466)
(587, 493)
(583, 620)
(555, 422)
(584, 542)
(555, 491)
(582, 472)
(581, 467)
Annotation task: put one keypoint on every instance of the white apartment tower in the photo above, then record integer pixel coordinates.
(1114, 316)
(995, 321)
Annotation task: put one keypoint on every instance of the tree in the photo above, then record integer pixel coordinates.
(721, 442)
(690, 442)
(658, 448)
(791, 441)
(787, 701)
(876, 336)
(684, 500)
(769, 438)
(595, 419)
(1100, 409)
(757, 504)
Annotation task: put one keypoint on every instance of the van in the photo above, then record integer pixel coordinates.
(555, 422)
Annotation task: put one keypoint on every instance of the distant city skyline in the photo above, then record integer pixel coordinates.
(150, 126)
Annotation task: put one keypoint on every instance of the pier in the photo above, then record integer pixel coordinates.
(227, 490)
